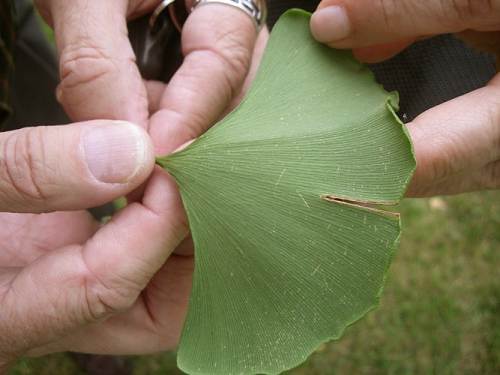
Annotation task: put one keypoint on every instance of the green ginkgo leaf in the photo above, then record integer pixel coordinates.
(288, 252)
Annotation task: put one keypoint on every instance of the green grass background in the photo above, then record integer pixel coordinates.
(439, 314)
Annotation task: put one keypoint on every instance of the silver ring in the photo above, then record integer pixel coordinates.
(178, 13)
(256, 9)
(154, 16)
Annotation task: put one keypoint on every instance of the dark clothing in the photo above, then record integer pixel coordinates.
(6, 62)
(34, 80)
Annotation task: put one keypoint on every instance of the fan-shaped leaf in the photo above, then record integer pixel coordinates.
(287, 254)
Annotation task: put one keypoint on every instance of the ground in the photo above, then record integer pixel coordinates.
(440, 311)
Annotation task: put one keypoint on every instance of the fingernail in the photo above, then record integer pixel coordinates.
(115, 152)
(330, 24)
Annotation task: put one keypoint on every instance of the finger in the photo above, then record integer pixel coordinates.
(361, 23)
(378, 53)
(482, 178)
(217, 43)
(26, 237)
(99, 77)
(258, 53)
(53, 168)
(126, 253)
(456, 140)
(100, 279)
(152, 324)
(155, 90)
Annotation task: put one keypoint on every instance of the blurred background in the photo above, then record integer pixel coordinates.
(440, 311)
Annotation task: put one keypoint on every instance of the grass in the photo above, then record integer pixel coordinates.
(440, 312)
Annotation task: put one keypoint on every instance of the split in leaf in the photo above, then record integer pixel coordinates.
(287, 252)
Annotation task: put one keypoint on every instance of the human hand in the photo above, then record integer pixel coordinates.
(457, 144)
(99, 77)
(68, 283)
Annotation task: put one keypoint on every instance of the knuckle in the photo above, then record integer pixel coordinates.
(23, 163)
(102, 300)
(230, 46)
(107, 298)
(82, 64)
(230, 71)
(234, 61)
(235, 54)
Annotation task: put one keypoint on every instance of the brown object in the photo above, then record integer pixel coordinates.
(485, 41)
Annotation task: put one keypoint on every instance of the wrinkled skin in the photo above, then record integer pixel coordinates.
(457, 144)
(67, 282)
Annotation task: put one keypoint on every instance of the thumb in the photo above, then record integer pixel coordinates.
(49, 302)
(71, 167)
(361, 23)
